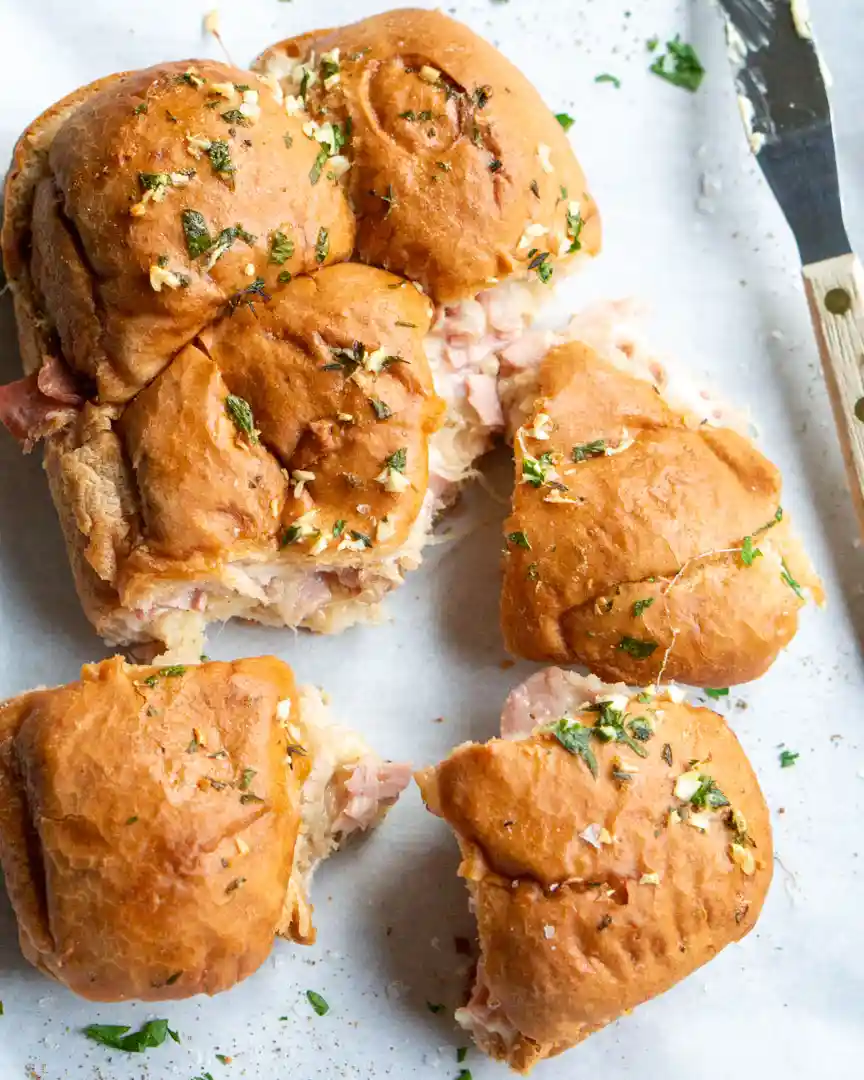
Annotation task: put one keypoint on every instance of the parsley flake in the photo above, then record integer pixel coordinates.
(565, 120)
(716, 694)
(708, 794)
(680, 65)
(397, 460)
(641, 605)
(786, 576)
(639, 650)
(597, 448)
(607, 78)
(198, 238)
(152, 1034)
(240, 412)
(535, 471)
(576, 740)
(519, 539)
(381, 409)
(788, 759)
(541, 264)
(322, 245)
(317, 1002)
(220, 157)
(281, 248)
(748, 552)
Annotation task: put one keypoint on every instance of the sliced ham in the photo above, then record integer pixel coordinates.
(28, 414)
(372, 786)
(483, 398)
(549, 695)
(57, 382)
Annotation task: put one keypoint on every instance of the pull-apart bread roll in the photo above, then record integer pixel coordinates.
(277, 469)
(461, 179)
(140, 205)
(611, 845)
(159, 826)
(643, 542)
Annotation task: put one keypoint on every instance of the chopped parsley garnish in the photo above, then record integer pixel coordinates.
(464, 1074)
(198, 239)
(225, 239)
(639, 650)
(247, 296)
(190, 78)
(480, 97)
(320, 162)
(322, 245)
(640, 729)
(284, 277)
(434, 1008)
(680, 65)
(652, 43)
(290, 535)
(220, 157)
(234, 116)
(788, 759)
(597, 448)
(708, 794)
(540, 262)
(172, 671)
(132, 820)
(666, 754)
(246, 778)
(240, 412)
(609, 727)
(281, 248)
(153, 1033)
(381, 408)
(519, 539)
(288, 139)
(444, 166)
(533, 572)
(495, 165)
(461, 1053)
(223, 1059)
(140, 108)
(535, 189)
(346, 360)
(155, 182)
(389, 200)
(607, 78)
(317, 1002)
(786, 576)
(329, 68)
(339, 527)
(575, 225)
(716, 694)
(361, 538)
(250, 797)
(236, 884)
(535, 471)
(576, 740)
(748, 552)
(397, 460)
(641, 605)
(565, 120)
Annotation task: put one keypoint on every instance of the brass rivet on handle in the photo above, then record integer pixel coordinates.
(838, 301)
(859, 409)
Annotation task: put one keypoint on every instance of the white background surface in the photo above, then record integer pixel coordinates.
(789, 1001)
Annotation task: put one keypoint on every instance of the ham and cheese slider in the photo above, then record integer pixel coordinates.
(612, 843)
(646, 539)
(160, 826)
(461, 179)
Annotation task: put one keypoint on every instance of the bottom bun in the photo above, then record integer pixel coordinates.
(613, 843)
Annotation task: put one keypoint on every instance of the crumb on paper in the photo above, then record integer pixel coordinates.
(211, 22)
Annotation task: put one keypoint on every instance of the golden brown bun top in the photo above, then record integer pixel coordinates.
(644, 544)
(304, 363)
(107, 160)
(165, 822)
(575, 928)
(447, 174)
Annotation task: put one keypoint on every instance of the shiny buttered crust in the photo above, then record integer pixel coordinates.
(148, 823)
(460, 175)
(595, 893)
(161, 195)
(173, 486)
(642, 545)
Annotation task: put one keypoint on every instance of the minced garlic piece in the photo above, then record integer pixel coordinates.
(345, 417)
(702, 822)
(250, 107)
(556, 496)
(532, 233)
(294, 105)
(743, 858)
(301, 478)
(548, 932)
(429, 74)
(385, 531)
(320, 545)
(540, 427)
(338, 165)
(161, 276)
(283, 709)
(374, 361)
(687, 785)
(650, 878)
(675, 693)
(224, 89)
(193, 77)
(197, 144)
(393, 481)
(242, 846)
(544, 153)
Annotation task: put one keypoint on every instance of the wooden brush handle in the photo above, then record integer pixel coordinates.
(835, 290)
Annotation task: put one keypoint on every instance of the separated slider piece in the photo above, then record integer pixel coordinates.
(612, 843)
(159, 826)
(644, 541)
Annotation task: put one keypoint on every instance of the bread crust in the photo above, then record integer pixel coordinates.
(101, 226)
(572, 932)
(147, 825)
(444, 194)
(637, 565)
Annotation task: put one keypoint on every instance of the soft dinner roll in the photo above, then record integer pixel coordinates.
(643, 541)
(158, 826)
(611, 844)
(276, 470)
(136, 208)
(461, 179)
